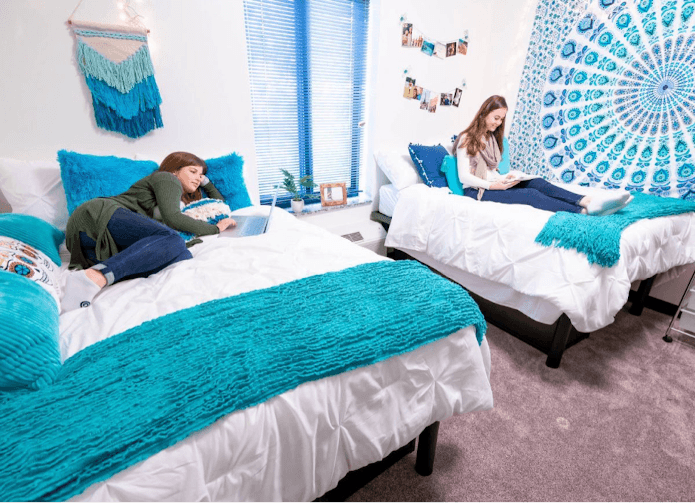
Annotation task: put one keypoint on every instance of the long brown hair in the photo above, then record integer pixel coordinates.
(177, 160)
(474, 140)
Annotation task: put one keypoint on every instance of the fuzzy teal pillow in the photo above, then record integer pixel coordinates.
(88, 176)
(450, 170)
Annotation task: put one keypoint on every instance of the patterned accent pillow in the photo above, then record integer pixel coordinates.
(19, 258)
(208, 210)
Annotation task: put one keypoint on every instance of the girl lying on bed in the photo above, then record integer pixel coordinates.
(134, 234)
(478, 150)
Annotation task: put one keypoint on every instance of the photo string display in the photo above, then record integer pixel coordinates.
(430, 100)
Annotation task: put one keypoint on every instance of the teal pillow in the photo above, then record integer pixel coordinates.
(34, 232)
(88, 176)
(29, 354)
(504, 163)
(227, 174)
(450, 170)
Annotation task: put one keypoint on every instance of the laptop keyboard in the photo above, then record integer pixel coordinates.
(252, 226)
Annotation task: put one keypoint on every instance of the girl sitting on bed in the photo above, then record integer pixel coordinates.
(478, 151)
(134, 234)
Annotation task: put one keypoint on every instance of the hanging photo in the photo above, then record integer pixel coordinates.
(427, 47)
(446, 99)
(409, 90)
(407, 34)
(432, 105)
(425, 99)
(457, 97)
(440, 50)
(418, 93)
(451, 49)
(463, 46)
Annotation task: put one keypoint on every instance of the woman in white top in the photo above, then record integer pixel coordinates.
(478, 151)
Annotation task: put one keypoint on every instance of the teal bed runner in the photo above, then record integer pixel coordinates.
(127, 397)
(599, 237)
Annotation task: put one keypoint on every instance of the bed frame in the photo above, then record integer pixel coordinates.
(550, 339)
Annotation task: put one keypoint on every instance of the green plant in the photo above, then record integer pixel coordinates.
(290, 185)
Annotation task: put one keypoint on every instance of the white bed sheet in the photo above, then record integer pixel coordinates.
(298, 445)
(388, 197)
(494, 242)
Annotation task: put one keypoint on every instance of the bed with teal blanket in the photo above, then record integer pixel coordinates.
(265, 368)
(549, 278)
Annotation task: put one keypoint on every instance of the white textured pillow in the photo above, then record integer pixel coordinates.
(35, 188)
(398, 168)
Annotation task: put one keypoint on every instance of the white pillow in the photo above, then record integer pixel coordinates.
(35, 188)
(398, 168)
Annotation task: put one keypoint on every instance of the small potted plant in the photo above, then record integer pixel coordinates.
(290, 185)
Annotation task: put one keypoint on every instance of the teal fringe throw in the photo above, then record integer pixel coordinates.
(128, 397)
(122, 76)
(599, 237)
(144, 96)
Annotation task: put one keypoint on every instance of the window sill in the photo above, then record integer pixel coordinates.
(316, 208)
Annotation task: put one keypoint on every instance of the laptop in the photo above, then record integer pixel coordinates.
(250, 225)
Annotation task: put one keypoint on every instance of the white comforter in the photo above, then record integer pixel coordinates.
(298, 445)
(495, 242)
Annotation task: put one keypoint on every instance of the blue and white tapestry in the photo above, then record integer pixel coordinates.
(607, 95)
(116, 63)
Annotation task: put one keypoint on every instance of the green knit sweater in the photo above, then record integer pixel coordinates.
(160, 190)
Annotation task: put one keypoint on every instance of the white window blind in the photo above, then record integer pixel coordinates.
(307, 67)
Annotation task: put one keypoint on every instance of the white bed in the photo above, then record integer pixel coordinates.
(489, 248)
(296, 446)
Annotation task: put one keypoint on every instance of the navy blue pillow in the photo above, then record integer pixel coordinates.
(428, 160)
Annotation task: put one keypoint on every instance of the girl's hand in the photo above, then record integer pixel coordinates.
(503, 184)
(225, 222)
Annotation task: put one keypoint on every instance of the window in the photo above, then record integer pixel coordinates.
(307, 66)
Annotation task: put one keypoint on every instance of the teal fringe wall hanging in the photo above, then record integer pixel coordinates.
(116, 63)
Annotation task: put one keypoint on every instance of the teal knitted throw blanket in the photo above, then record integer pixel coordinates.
(126, 398)
(599, 237)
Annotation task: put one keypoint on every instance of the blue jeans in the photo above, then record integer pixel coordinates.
(535, 192)
(144, 247)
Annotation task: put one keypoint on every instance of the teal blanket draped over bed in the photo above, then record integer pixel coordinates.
(125, 398)
(599, 237)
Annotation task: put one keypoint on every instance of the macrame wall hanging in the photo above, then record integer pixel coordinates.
(607, 95)
(116, 63)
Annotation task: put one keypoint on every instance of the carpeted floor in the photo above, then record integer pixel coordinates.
(614, 423)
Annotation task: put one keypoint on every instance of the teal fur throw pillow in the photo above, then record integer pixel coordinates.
(207, 210)
(227, 174)
(88, 176)
(34, 232)
(29, 354)
(504, 163)
(450, 170)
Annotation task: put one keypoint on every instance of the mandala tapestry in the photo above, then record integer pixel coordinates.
(607, 96)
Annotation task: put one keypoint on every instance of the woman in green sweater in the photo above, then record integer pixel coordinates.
(134, 234)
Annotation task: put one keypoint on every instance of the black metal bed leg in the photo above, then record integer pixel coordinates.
(557, 346)
(642, 293)
(426, 447)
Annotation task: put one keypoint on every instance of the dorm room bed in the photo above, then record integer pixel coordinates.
(299, 444)
(547, 296)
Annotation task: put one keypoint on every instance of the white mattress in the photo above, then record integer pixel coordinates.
(493, 245)
(388, 197)
(298, 445)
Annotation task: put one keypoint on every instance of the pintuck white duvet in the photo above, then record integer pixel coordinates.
(298, 445)
(494, 247)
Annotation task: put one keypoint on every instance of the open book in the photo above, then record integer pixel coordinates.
(520, 175)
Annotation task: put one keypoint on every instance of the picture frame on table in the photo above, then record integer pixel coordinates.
(333, 194)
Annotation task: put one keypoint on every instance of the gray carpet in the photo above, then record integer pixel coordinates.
(614, 423)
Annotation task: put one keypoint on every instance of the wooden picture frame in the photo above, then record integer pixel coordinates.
(333, 194)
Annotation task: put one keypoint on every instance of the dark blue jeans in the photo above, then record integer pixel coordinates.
(535, 192)
(144, 247)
